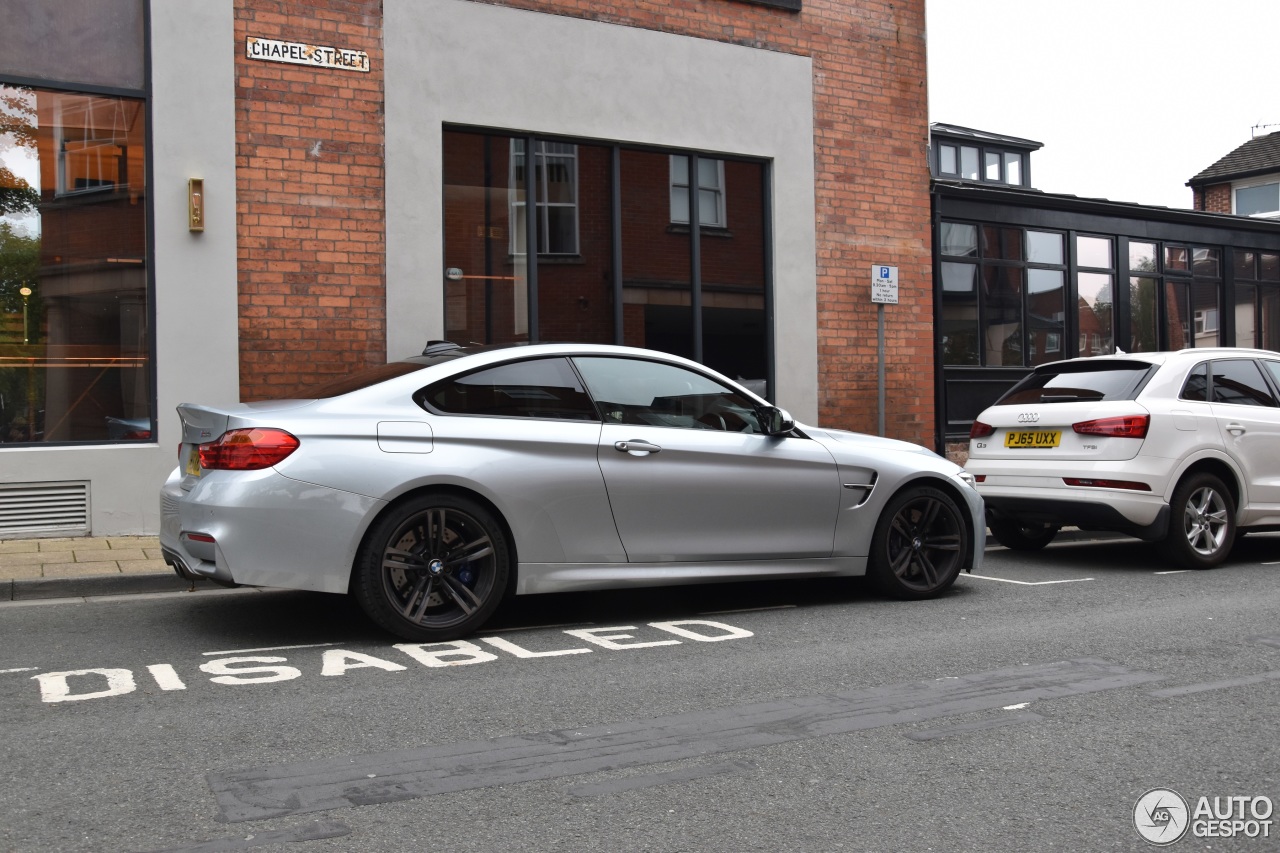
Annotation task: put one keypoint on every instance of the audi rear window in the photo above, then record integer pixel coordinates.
(1080, 381)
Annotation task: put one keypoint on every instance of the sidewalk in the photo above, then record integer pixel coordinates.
(66, 568)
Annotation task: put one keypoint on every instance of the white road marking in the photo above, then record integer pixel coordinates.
(166, 676)
(270, 649)
(18, 669)
(1017, 707)
(1174, 572)
(1028, 583)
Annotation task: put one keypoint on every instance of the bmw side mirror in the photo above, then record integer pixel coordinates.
(775, 421)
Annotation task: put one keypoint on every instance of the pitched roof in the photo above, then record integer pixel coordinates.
(1256, 157)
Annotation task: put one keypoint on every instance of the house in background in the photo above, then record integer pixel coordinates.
(1246, 182)
(1023, 277)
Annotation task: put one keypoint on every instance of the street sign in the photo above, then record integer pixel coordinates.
(884, 284)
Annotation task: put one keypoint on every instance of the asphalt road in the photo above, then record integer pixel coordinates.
(1027, 710)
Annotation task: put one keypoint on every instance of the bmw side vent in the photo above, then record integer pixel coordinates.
(864, 487)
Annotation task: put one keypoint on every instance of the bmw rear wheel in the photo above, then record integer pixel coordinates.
(1202, 523)
(919, 544)
(433, 569)
(1021, 536)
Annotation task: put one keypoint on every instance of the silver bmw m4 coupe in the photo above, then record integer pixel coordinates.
(432, 487)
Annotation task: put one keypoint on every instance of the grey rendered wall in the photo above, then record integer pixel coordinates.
(458, 62)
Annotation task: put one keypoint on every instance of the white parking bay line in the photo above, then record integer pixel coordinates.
(1028, 583)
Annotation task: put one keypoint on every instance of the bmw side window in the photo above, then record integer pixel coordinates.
(538, 388)
(1273, 367)
(1239, 382)
(648, 393)
(1196, 388)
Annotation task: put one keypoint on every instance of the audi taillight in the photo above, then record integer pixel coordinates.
(980, 430)
(1092, 483)
(247, 449)
(1125, 426)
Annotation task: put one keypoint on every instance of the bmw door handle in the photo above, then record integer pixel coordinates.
(636, 447)
(1236, 429)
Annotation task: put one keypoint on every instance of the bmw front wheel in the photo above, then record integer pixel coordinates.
(1202, 523)
(919, 544)
(433, 569)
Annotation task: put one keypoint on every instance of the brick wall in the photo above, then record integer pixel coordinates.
(1215, 198)
(309, 199)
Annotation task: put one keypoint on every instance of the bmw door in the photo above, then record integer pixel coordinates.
(691, 477)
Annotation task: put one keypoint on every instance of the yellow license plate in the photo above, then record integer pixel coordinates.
(193, 460)
(1035, 438)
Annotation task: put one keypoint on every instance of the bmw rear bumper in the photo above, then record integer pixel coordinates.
(261, 528)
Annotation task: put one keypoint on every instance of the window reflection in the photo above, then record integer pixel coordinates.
(1094, 314)
(74, 349)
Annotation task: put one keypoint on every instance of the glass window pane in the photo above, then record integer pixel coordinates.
(1176, 308)
(1239, 382)
(1002, 316)
(1269, 267)
(1046, 309)
(1196, 388)
(1144, 323)
(1246, 317)
(487, 296)
(947, 160)
(1269, 318)
(575, 293)
(631, 391)
(1094, 313)
(1257, 201)
(540, 388)
(959, 278)
(1204, 311)
(1044, 247)
(1142, 256)
(733, 282)
(1205, 262)
(1093, 252)
(960, 314)
(1176, 258)
(969, 163)
(959, 240)
(1013, 169)
(991, 165)
(1002, 243)
(1245, 264)
(709, 172)
(73, 276)
(656, 260)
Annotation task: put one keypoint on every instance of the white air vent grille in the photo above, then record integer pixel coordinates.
(44, 509)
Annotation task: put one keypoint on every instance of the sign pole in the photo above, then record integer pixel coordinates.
(880, 362)
(884, 291)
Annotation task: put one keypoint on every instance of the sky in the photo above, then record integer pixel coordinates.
(1131, 98)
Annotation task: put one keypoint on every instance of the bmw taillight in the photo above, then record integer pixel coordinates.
(1126, 426)
(980, 430)
(247, 450)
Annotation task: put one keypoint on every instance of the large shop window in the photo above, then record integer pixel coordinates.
(1257, 309)
(74, 337)
(1003, 302)
(617, 260)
